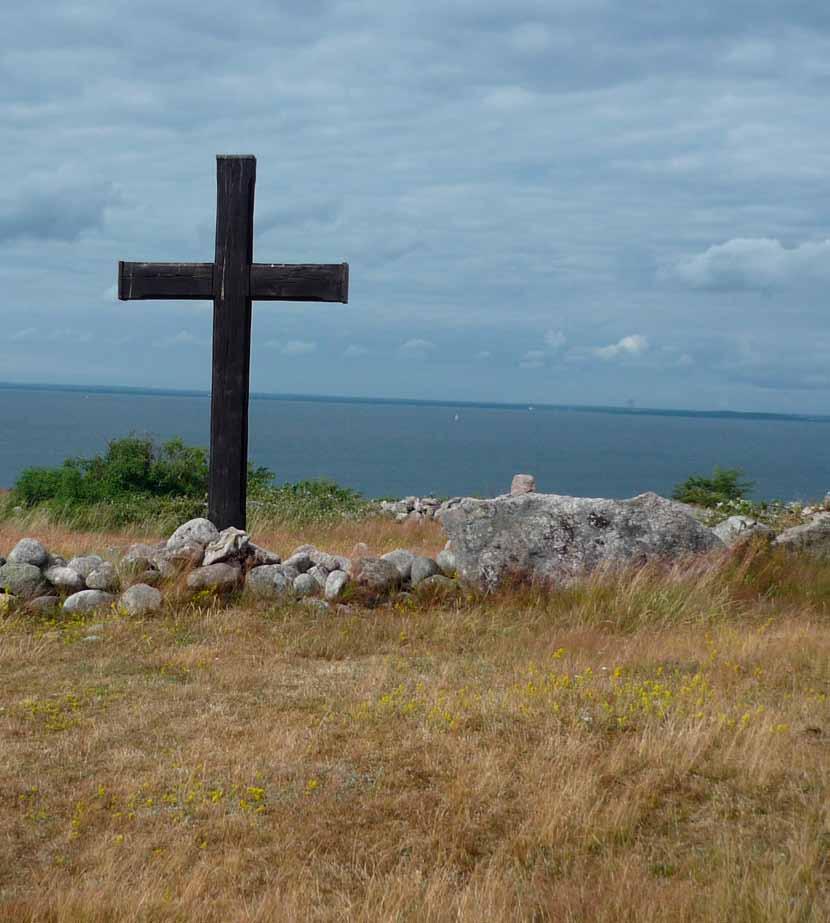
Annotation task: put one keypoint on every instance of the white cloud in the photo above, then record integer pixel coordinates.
(416, 349)
(28, 333)
(298, 347)
(532, 359)
(633, 345)
(555, 339)
(182, 338)
(354, 351)
(754, 263)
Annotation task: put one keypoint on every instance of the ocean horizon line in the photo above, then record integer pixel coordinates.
(419, 402)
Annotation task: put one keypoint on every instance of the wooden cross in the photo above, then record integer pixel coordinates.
(233, 281)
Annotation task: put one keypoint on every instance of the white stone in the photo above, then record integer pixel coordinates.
(199, 530)
(141, 599)
(336, 582)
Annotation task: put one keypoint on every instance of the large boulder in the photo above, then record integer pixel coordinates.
(88, 601)
(141, 599)
(402, 559)
(214, 577)
(270, 581)
(555, 539)
(195, 531)
(29, 551)
(813, 537)
(738, 529)
(376, 574)
(64, 578)
(422, 569)
(23, 580)
(85, 564)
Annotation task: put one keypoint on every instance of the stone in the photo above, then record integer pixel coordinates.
(7, 601)
(88, 601)
(301, 560)
(29, 551)
(813, 537)
(23, 580)
(320, 574)
(738, 529)
(377, 574)
(103, 578)
(522, 484)
(446, 561)
(199, 531)
(184, 555)
(269, 581)
(43, 604)
(140, 557)
(438, 583)
(306, 585)
(336, 583)
(230, 545)
(85, 564)
(261, 556)
(64, 578)
(556, 539)
(402, 559)
(214, 577)
(140, 599)
(54, 560)
(422, 568)
(328, 562)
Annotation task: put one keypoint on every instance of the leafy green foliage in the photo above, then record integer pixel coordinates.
(137, 481)
(723, 486)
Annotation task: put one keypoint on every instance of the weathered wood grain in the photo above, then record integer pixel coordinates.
(164, 280)
(227, 485)
(300, 282)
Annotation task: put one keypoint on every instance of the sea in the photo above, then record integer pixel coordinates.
(396, 448)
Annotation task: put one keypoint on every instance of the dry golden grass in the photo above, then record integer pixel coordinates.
(643, 747)
(381, 535)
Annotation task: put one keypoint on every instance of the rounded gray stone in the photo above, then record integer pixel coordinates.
(336, 583)
(377, 574)
(268, 581)
(23, 580)
(199, 531)
(88, 601)
(422, 568)
(402, 559)
(86, 564)
(29, 551)
(320, 574)
(306, 585)
(103, 578)
(301, 560)
(64, 578)
(446, 561)
(214, 576)
(140, 599)
(44, 604)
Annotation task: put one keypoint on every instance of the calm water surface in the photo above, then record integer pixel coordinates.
(386, 449)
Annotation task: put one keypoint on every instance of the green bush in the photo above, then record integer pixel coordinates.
(723, 486)
(134, 466)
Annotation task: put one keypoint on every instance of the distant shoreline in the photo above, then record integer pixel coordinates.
(414, 402)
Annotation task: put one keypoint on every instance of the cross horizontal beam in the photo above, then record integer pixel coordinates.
(266, 281)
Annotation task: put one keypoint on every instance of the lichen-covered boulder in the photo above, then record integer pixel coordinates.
(64, 578)
(198, 531)
(306, 585)
(88, 601)
(85, 564)
(103, 578)
(29, 551)
(336, 583)
(376, 574)
(402, 559)
(23, 580)
(422, 568)
(270, 581)
(555, 539)
(446, 561)
(813, 537)
(214, 577)
(141, 599)
(738, 529)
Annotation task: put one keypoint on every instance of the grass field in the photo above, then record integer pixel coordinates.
(646, 747)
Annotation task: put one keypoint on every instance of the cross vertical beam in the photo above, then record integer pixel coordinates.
(227, 483)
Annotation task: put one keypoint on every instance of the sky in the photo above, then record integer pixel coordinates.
(618, 202)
